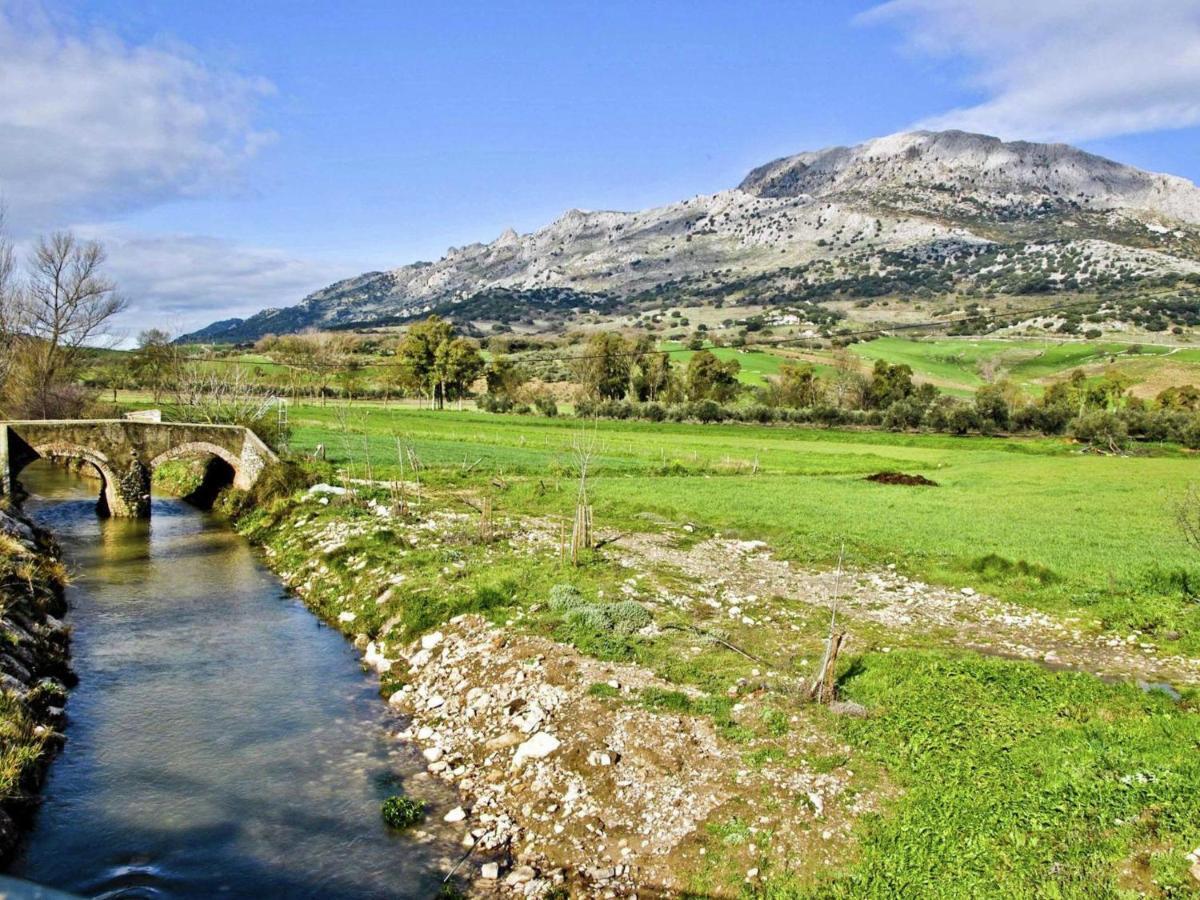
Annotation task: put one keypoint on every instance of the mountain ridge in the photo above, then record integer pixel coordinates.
(826, 214)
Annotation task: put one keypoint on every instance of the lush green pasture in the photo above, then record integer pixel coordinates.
(997, 778)
(756, 365)
(1019, 782)
(1096, 534)
(958, 365)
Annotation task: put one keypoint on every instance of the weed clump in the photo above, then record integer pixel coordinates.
(402, 812)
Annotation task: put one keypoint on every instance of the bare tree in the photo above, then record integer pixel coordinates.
(61, 313)
(583, 448)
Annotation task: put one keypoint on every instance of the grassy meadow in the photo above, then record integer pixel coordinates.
(1034, 521)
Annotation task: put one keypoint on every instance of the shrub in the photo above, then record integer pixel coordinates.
(1100, 429)
(565, 597)
(494, 403)
(590, 618)
(1190, 434)
(545, 405)
(654, 412)
(628, 616)
(402, 812)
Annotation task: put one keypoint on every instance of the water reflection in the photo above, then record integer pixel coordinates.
(222, 742)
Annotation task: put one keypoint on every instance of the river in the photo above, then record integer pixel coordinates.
(221, 741)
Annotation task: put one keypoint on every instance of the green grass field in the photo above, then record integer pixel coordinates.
(756, 365)
(1098, 530)
(958, 365)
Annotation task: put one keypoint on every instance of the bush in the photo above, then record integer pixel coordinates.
(402, 812)
(706, 411)
(654, 412)
(589, 618)
(565, 597)
(1100, 429)
(628, 616)
(1190, 434)
(545, 405)
(494, 403)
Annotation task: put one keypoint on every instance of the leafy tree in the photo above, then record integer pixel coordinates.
(457, 364)
(602, 369)
(652, 372)
(888, 384)
(1186, 397)
(991, 405)
(796, 386)
(155, 362)
(432, 360)
(708, 378)
(505, 377)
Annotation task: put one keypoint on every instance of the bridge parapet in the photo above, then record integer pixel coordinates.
(125, 452)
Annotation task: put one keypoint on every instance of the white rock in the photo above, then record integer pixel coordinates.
(817, 801)
(429, 641)
(455, 815)
(433, 754)
(520, 875)
(435, 702)
(539, 746)
(346, 617)
(323, 488)
(490, 871)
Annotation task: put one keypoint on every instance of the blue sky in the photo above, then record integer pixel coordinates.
(236, 155)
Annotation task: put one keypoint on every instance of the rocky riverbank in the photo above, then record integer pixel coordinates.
(579, 768)
(34, 671)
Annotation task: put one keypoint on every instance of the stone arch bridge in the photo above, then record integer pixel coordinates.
(126, 451)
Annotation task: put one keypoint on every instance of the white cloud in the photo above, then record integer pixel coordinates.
(1062, 69)
(183, 282)
(90, 125)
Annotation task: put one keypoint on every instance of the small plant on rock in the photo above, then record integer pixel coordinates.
(402, 812)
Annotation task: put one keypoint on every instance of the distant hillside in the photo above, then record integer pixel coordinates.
(940, 212)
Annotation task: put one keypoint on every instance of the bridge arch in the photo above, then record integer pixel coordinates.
(110, 502)
(224, 468)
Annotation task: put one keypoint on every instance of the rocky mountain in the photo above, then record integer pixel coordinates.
(943, 211)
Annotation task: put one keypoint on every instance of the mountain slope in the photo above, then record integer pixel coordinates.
(1044, 214)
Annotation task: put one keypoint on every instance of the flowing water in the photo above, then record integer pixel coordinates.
(222, 742)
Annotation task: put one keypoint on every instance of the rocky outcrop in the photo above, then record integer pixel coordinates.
(34, 672)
